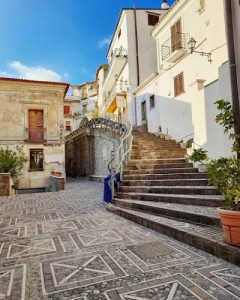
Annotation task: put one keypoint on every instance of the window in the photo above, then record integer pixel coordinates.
(35, 125)
(152, 101)
(152, 19)
(36, 159)
(176, 35)
(84, 93)
(84, 107)
(178, 84)
(119, 34)
(66, 109)
(68, 126)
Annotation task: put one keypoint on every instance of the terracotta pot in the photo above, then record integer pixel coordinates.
(231, 225)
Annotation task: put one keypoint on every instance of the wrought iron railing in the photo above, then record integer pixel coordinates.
(35, 134)
(120, 157)
(175, 42)
(107, 124)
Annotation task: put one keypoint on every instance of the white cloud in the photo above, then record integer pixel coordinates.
(19, 70)
(104, 42)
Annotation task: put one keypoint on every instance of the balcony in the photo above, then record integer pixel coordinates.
(175, 47)
(93, 91)
(35, 135)
(118, 61)
(110, 98)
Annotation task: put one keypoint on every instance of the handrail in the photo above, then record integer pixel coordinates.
(183, 137)
(123, 154)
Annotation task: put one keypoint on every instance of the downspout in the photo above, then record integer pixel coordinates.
(137, 59)
(233, 69)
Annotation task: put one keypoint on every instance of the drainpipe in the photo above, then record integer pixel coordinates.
(233, 69)
(137, 60)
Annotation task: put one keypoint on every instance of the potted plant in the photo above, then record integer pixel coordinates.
(224, 174)
(199, 156)
(12, 161)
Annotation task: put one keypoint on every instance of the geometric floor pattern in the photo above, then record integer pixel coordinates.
(66, 245)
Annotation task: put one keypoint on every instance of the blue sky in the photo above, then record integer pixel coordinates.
(58, 40)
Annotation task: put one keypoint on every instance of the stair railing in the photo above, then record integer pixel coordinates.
(120, 157)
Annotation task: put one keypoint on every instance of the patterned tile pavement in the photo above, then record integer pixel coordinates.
(65, 245)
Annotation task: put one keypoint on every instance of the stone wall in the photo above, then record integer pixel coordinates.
(88, 149)
(5, 184)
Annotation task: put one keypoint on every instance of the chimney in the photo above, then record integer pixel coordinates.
(164, 4)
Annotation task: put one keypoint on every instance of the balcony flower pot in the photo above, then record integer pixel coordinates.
(231, 225)
(202, 168)
(55, 173)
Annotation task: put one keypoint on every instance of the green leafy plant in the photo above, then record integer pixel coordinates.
(224, 174)
(198, 155)
(12, 162)
(226, 119)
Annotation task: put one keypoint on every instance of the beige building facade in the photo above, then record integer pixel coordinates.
(31, 116)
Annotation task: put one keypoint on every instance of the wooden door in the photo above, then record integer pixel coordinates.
(35, 125)
(176, 32)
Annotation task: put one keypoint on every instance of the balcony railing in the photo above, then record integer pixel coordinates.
(178, 41)
(35, 135)
(118, 88)
(118, 53)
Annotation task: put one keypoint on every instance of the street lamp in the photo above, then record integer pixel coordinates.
(192, 45)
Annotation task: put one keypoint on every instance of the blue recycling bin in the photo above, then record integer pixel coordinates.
(107, 191)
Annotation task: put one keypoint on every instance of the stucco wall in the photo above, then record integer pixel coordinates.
(16, 98)
(194, 104)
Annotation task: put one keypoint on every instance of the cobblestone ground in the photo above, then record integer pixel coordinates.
(66, 246)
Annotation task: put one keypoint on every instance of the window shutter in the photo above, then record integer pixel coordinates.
(176, 31)
(66, 109)
(181, 84)
(35, 125)
(176, 86)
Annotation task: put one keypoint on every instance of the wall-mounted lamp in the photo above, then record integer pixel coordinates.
(116, 77)
(192, 45)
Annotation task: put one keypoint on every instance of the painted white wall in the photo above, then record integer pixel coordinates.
(147, 51)
(173, 116)
(195, 105)
(217, 143)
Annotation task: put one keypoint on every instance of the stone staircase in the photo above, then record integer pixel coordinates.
(163, 192)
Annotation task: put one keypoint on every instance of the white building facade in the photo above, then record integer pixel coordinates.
(81, 103)
(131, 59)
(180, 98)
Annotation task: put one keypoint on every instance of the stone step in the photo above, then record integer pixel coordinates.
(166, 182)
(147, 166)
(200, 200)
(206, 238)
(165, 176)
(190, 213)
(155, 149)
(159, 171)
(189, 190)
(154, 145)
(157, 161)
(161, 155)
